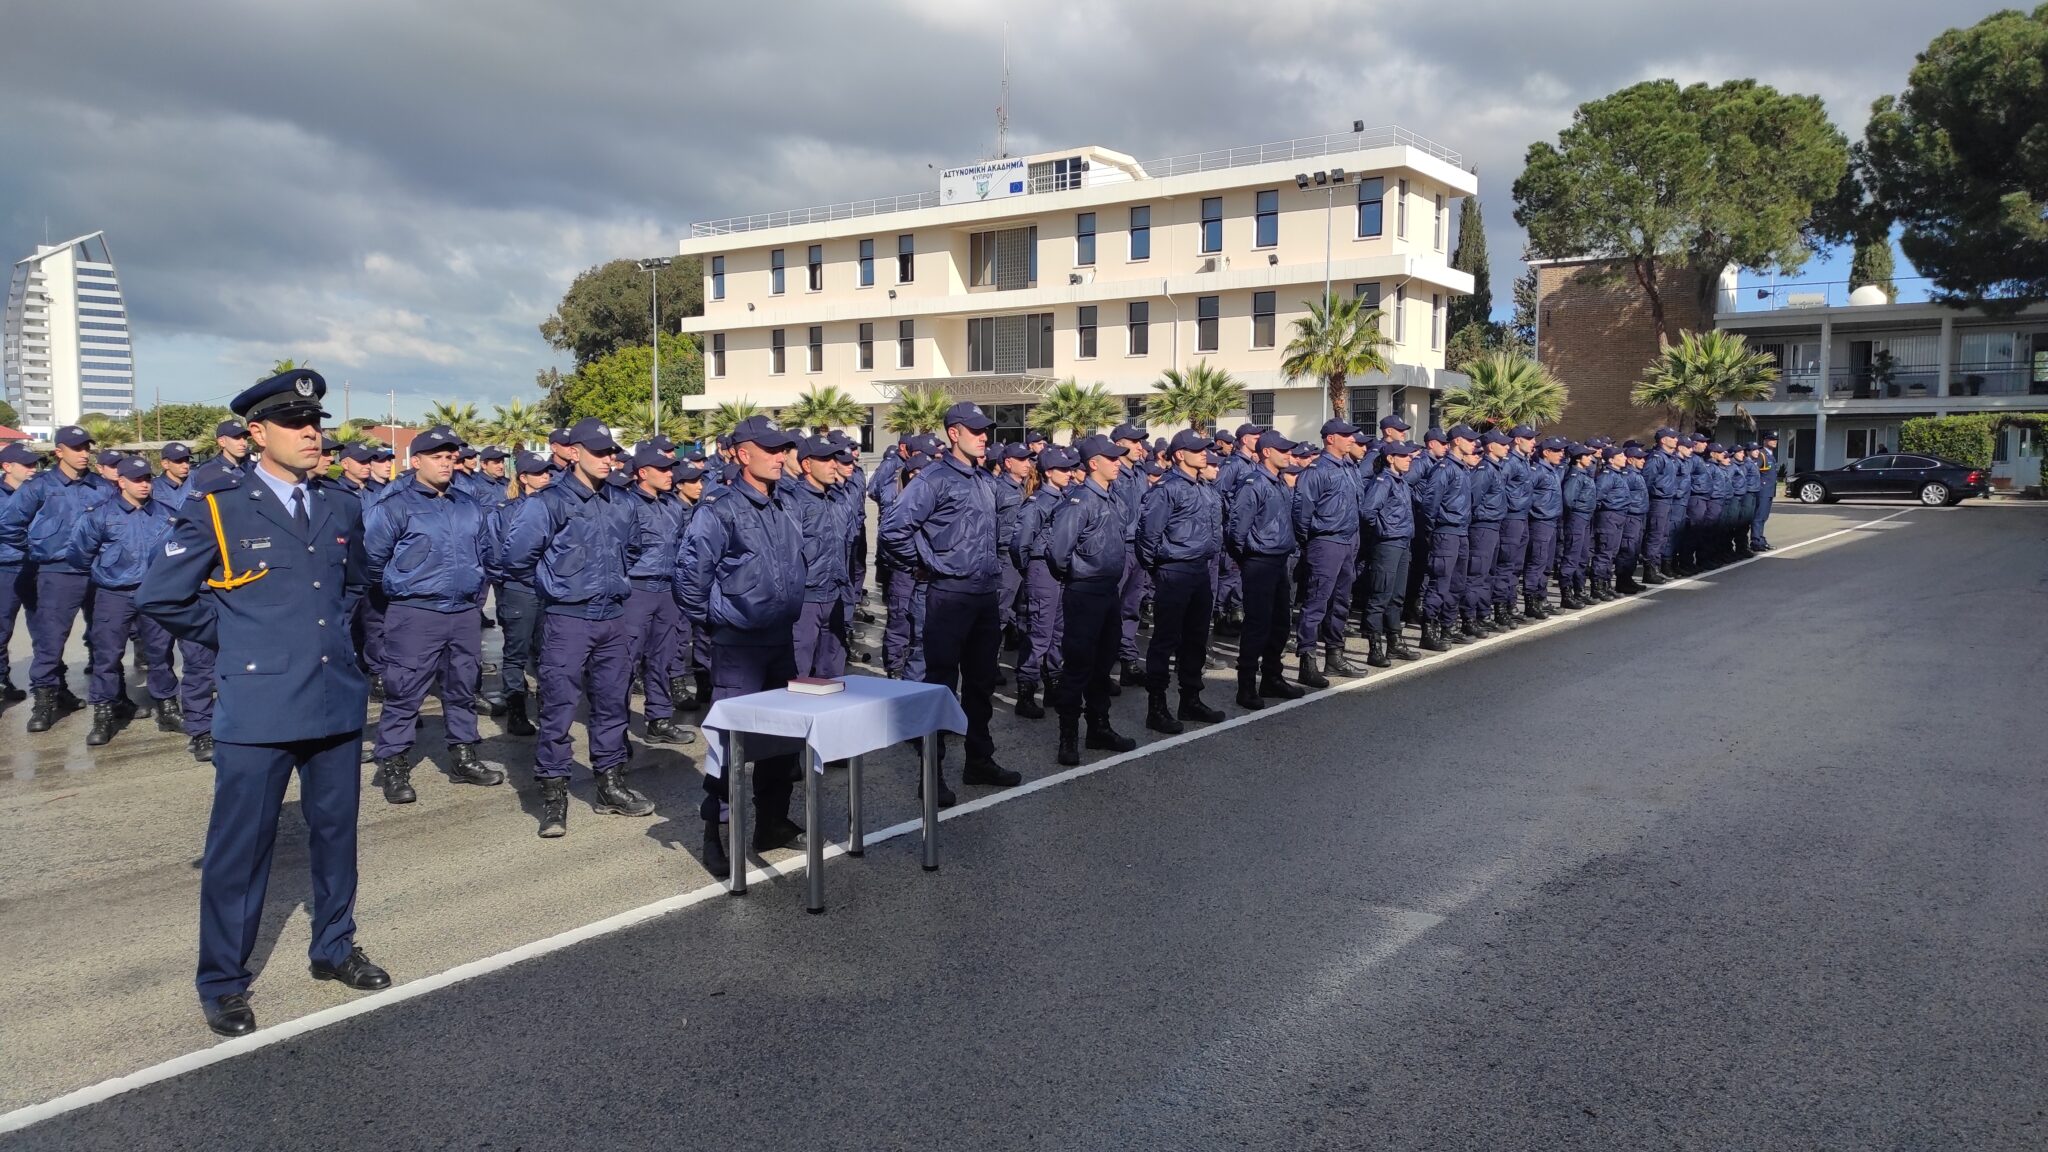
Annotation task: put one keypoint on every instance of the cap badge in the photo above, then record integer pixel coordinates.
(303, 387)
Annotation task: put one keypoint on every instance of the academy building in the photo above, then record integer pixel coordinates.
(1013, 274)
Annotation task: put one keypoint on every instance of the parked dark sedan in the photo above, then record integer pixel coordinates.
(1928, 479)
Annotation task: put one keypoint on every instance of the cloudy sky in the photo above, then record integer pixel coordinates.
(399, 192)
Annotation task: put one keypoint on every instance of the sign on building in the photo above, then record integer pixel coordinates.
(989, 180)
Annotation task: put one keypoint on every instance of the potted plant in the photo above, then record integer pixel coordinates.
(1883, 373)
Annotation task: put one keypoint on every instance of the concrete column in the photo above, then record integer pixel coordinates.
(1946, 358)
(1385, 402)
(1827, 359)
(1820, 441)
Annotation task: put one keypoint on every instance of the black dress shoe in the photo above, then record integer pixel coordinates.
(230, 1015)
(357, 972)
(989, 774)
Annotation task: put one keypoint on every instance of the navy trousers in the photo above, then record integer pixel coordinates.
(1508, 560)
(1482, 545)
(1657, 533)
(195, 687)
(1183, 599)
(1088, 648)
(583, 660)
(421, 647)
(820, 638)
(519, 621)
(60, 597)
(1680, 525)
(1757, 519)
(1578, 549)
(113, 614)
(1542, 554)
(651, 616)
(903, 635)
(1044, 623)
(962, 633)
(1326, 600)
(1229, 583)
(17, 595)
(1137, 584)
(1446, 569)
(1389, 584)
(1698, 526)
(1268, 603)
(1418, 568)
(369, 633)
(1631, 544)
(1714, 529)
(1012, 589)
(234, 874)
(1607, 532)
(741, 670)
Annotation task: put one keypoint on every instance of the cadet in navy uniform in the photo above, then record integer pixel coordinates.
(1581, 502)
(1489, 507)
(233, 577)
(1767, 491)
(116, 542)
(424, 544)
(1546, 511)
(17, 575)
(1044, 621)
(1449, 501)
(573, 535)
(1085, 549)
(1513, 551)
(170, 487)
(651, 609)
(1700, 486)
(826, 520)
(690, 676)
(1635, 519)
(1129, 488)
(1610, 519)
(39, 519)
(229, 464)
(1326, 522)
(519, 614)
(1662, 474)
(1178, 539)
(1387, 512)
(1261, 533)
(1014, 466)
(739, 578)
(943, 526)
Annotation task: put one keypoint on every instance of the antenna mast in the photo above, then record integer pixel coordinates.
(1003, 107)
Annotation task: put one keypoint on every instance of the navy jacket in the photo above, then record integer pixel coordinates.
(1546, 491)
(216, 474)
(826, 521)
(426, 550)
(1450, 498)
(169, 493)
(574, 541)
(1262, 516)
(1514, 482)
(1721, 481)
(1129, 488)
(1700, 476)
(944, 523)
(1034, 520)
(1183, 522)
(740, 568)
(1387, 508)
(11, 555)
(1489, 499)
(1084, 542)
(1326, 500)
(882, 485)
(1638, 492)
(1580, 493)
(41, 515)
(1665, 474)
(286, 669)
(117, 541)
(1612, 490)
(651, 551)
(495, 522)
(1009, 502)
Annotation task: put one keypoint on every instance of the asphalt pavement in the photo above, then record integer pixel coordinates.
(1754, 862)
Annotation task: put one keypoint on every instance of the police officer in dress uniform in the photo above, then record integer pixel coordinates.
(1044, 620)
(651, 612)
(39, 520)
(1178, 538)
(1085, 549)
(17, 575)
(115, 543)
(265, 572)
(1261, 533)
(519, 614)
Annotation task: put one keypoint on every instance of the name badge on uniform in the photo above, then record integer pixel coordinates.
(256, 545)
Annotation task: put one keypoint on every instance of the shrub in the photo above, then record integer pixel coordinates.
(1964, 439)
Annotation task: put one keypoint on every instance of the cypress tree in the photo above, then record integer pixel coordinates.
(1470, 256)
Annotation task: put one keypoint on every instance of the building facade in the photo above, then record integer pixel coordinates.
(67, 347)
(1594, 332)
(1017, 273)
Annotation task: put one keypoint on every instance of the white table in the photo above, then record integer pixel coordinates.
(871, 714)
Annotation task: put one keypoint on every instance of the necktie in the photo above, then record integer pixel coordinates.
(299, 517)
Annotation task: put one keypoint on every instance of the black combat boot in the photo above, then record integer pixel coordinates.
(465, 768)
(1230, 623)
(1376, 651)
(1653, 574)
(1104, 738)
(664, 730)
(67, 701)
(1533, 607)
(394, 775)
(1248, 697)
(1027, 702)
(376, 687)
(201, 748)
(554, 806)
(1158, 717)
(715, 859)
(1274, 686)
(1193, 708)
(1397, 645)
(774, 830)
(11, 694)
(169, 717)
(1070, 740)
(986, 773)
(490, 703)
(1309, 675)
(1504, 618)
(614, 798)
(679, 693)
(104, 721)
(124, 708)
(1133, 675)
(1336, 663)
(1432, 638)
(517, 723)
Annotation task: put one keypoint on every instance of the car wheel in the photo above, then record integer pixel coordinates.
(1812, 492)
(1934, 494)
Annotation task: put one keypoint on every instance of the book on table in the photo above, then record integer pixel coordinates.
(816, 685)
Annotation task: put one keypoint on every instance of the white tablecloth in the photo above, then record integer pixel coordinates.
(872, 713)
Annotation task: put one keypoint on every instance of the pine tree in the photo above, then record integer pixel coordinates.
(1522, 329)
(1470, 256)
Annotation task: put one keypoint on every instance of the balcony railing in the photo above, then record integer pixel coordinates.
(1913, 381)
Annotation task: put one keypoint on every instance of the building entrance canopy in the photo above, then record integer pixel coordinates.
(981, 388)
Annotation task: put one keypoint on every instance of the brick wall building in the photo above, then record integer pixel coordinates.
(1594, 333)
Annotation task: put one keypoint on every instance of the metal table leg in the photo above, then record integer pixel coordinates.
(814, 833)
(856, 835)
(738, 797)
(931, 802)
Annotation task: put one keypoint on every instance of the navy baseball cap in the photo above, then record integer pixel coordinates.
(1012, 452)
(134, 468)
(286, 396)
(761, 432)
(439, 438)
(1306, 451)
(1223, 436)
(1056, 458)
(560, 436)
(72, 436)
(1095, 446)
(1244, 430)
(1555, 444)
(969, 415)
(384, 452)
(1661, 433)
(1613, 450)
(1576, 449)
(175, 453)
(1391, 423)
(1497, 437)
(1400, 448)
(329, 444)
(1276, 442)
(927, 443)
(1153, 468)
(1634, 451)
(465, 453)
(818, 448)
(1522, 432)
(1752, 446)
(648, 456)
(1126, 432)
(1768, 435)
(230, 428)
(686, 471)
(109, 458)
(917, 462)
(662, 443)
(1035, 437)
(1463, 432)
(1188, 440)
(492, 453)
(360, 453)
(1435, 436)
(1336, 427)
(19, 453)
(591, 433)
(531, 462)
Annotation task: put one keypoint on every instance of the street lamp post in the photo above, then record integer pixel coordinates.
(653, 266)
(1328, 180)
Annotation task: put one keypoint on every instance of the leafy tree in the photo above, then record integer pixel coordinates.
(1872, 264)
(1470, 256)
(553, 384)
(1704, 370)
(616, 387)
(919, 410)
(462, 419)
(1521, 334)
(607, 309)
(1470, 343)
(105, 429)
(823, 408)
(1197, 396)
(1506, 389)
(1076, 409)
(1961, 158)
(516, 424)
(190, 424)
(1338, 339)
(9, 416)
(1659, 177)
(727, 416)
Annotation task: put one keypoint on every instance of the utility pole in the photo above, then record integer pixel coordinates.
(653, 266)
(344, 401)
(158, 393)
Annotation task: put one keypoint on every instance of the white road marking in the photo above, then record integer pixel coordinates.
(1418, 922)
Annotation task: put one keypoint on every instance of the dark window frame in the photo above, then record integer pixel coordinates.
(864, 353)
(1372, 210)
(778, 351)
(814, 264)
(1084, 240)
(814, 348)
(1266, 217)
(717, 355)
(718, 277)
(1208, 323)
(866, 277)
(1141, 233)
(778, 271)
(906, 343)
(1212, 225)
(1138, 328)
(906, 258)
(1086, 325)
(1265, 319)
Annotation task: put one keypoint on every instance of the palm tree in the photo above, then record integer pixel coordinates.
(824, 408)
(1506, 389)
(516, 424)
(919, 410)
(1197, 396)
(280, 367)
(104, 429)
(1337, 340)
(1703, 371)
(1078, 410)
(727, 416)
(462, 419)
(349, 432)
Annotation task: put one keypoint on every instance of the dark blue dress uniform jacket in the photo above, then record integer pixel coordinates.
(1183, 522)
(1326, 500)
(287, 670)
(39, 519)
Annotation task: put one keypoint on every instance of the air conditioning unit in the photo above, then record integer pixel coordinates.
(1211, 263)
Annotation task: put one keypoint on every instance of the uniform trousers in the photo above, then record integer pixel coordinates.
(961, 637)
(17, 595)
(1044, 622)
(903, 635)
(582, 659)
(1696, 525)
(1418, 568)
(195, 687)
(1482, 547)
(1757, 519)
(1577, 550)
(421, 646)
(1631, 543)
(1389, 574)
(741, 670)
(1088, 647)
(1716, 533)
(820, 639)
(234, 873)
(651, 615)
(60, 597)
(1136, 586)
(1508, 559)
(1332, 564)
(1229, 583)
(368, 628)
(1542, 555)
(1011, 590)
(1657, 534)
(519, 620)
(1183, 599)
(1607, 532)
(113, 614)
(1447, 548)
(1268, 603)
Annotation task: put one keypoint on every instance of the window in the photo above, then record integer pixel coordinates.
(1141, 232)
(816, 261)
(1084, 239)
(1005, 260)
(1212, 224)
(1208, 310)
(1367, 293)
(1084, 333)
(1267, 233)
(1371, 207)
(775, 272)
(718, 277)
(1040, 355)
(867, 263)
(981, 344)
(1436, 320)
(776, 361)
(1439, 225)
(1134, 410)
(1913, 462)
(1989, 350)
(815, 346)
(1009, 343)
(906, 259)
(1262, 319)
(1362, 405)
(718, 354)
(1138, 328)
(1401, 210)
(1260, 407)
(1400, 313)
(981, 259)
(865, 355)
(906, 343)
